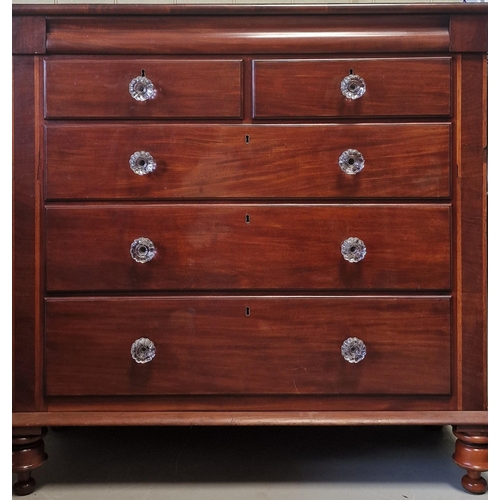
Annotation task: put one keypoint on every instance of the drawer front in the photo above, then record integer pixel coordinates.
(91, 88)
(249, 161)
(251, 345)
(224, 247)
(311, 88)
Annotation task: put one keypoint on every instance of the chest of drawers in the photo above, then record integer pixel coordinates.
(249, 215)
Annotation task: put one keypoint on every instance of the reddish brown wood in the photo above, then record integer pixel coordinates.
(99, 88)
(24, 293)
(271, 73)
(471, 453)
(247, 10)
(243, 403)
(27, 455)
(248, 345)
(473, 273)
(239, 34)
(28, 35)
(248, 161)
(469, 33)
(280, 247)
(341, 418)
(311, 88)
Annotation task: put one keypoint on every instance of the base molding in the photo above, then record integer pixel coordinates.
(83, 418)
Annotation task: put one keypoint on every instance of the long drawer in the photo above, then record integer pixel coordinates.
(247, 345)
(252, 246)
(312, 87)
(380, 160)
(100, 88)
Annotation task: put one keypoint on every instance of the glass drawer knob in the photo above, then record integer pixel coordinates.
(141, 88)
(351, 161)
(353, 87)
(142, 250)
(353, 350)
(142, 163)
(143, 350)
(353, 249)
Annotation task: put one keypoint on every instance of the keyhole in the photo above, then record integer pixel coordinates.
(143, 72)
(247, 311)
(351, 72)
(247, 139)
(247, 218)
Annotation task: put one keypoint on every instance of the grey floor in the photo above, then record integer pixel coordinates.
(250, 463)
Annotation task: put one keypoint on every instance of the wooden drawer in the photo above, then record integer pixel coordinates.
(99, 88)
(247, 161)
(311, 87)
(247, 345)
(224, 247)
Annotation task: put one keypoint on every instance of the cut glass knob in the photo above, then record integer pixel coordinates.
(351, 161)
(353, 87)
(353, 249)
(142, 250)
(353, 350)
(142, 163)
(141, 88)
(143, 350)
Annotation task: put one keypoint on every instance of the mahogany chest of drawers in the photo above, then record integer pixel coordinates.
(249, 215)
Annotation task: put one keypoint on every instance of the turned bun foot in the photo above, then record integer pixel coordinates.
(28, 453)
(471, 453)
(24, 485)
(474, 482)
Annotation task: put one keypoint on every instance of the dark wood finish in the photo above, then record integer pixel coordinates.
(471, 453)
(99, 88)
(247, 161)
(240, 34)
(24, 283)
(472, 272)
(249, 345)
(311, 88)
(468, 33)
(406, 10)
(28, 35)
(243, 403)
(214, 247)
(271, 73)
(28, 454)
(341, 418)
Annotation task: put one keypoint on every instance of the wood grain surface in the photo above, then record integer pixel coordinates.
(253, 246)
(402, 160)
(248, 345)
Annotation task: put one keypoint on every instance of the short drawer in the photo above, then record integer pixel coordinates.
(100, 88)
(252, 246)
(247, 345)
(312, 87)
(102, 161)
